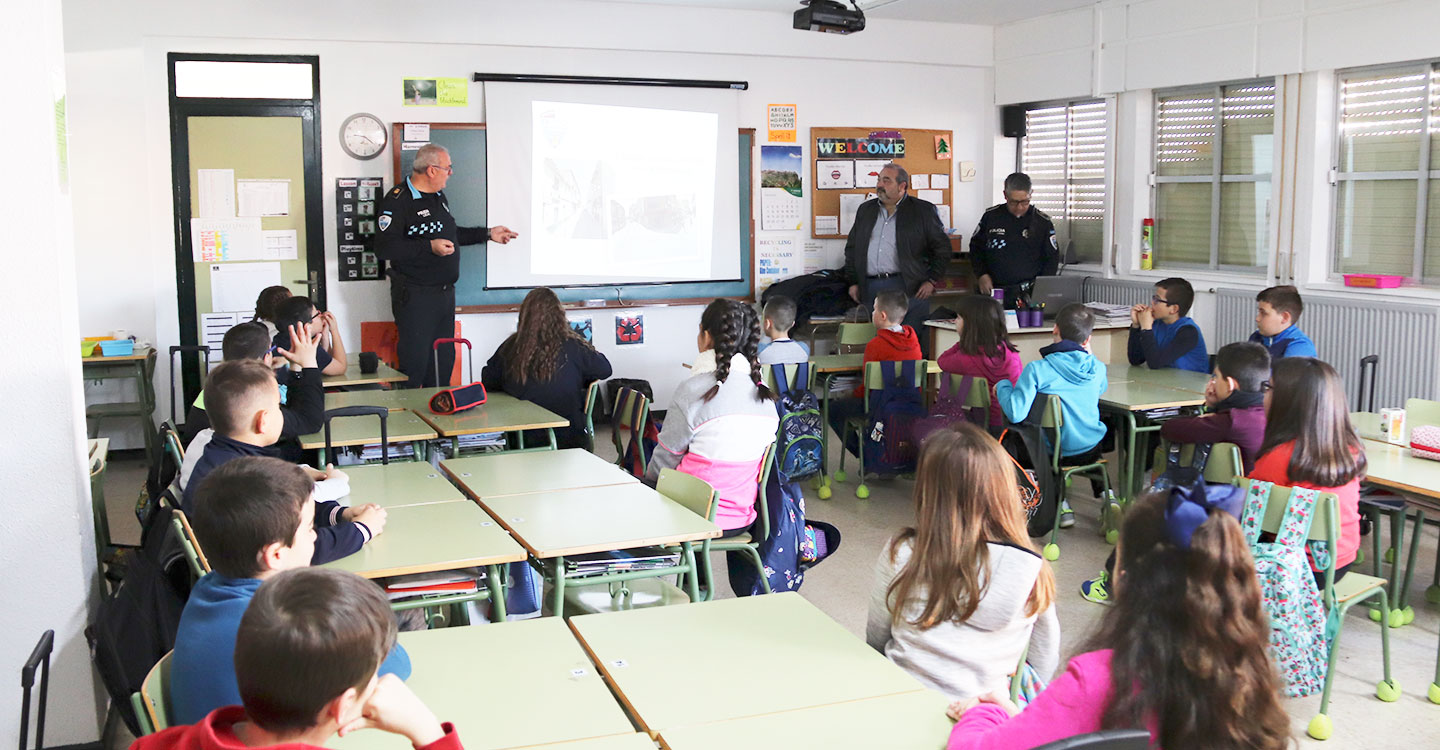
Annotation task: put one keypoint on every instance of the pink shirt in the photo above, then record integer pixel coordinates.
(993, 369)
(1071, 705)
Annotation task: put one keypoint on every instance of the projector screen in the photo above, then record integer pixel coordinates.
(611, 184)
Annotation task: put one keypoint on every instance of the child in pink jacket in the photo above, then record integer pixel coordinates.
(1187, 630)
(984, 349)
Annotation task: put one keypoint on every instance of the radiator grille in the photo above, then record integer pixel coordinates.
(1344, 330)
(1116, 291)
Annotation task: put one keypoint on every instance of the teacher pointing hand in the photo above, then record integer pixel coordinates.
(418, 236)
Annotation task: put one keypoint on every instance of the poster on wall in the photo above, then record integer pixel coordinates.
(355, 225)
(585, 327)
(435, 92)
(782, 123)
(834, 175)
(775, 260)
(814, 255)
(780, 188)
(629, 329)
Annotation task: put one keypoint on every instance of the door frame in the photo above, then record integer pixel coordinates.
(308, 110)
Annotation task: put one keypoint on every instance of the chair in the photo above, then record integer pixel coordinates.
(1337, 596)
(874, 380)
(201, 350)
(1108, 739)
(768, 376)
(39, 659)
(189, 544)
(1053, 419)
(592, 396)
(852, 337)
(142, 410)
(359, 411)
(98, 510)
(977, 398)
(1223, 465)
(632, 413)
(469, 357)
(152, 703)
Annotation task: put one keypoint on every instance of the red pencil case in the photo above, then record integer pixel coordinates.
(458, 399)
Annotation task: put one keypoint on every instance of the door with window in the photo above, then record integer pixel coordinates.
(245, 156)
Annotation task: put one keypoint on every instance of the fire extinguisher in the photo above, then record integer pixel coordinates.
(1147, 244)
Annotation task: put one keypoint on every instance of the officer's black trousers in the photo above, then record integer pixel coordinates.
(422, 315)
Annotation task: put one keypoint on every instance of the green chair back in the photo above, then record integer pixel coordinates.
(1420, 411)
(693, 493)
(854, 336)
(627, 420)
(173, 447)
(592, 395)
(152, 703)
(1224, 464)
(180, 526)
(768, 377)
(875, 376)
(762, 504)
(979, 395)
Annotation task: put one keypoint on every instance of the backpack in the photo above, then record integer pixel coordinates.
(950, 409)
(794, 546)
(136, 625)
(889, 437)
(799, 446)
(1297, 616)
(1039, 516)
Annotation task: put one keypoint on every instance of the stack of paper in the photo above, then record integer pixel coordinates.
(845, 383)
(463, 581)
(642, 558)
(1107, 314)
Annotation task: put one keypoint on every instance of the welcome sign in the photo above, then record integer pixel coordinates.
(892, 148)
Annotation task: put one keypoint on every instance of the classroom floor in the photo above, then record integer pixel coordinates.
(841, 587)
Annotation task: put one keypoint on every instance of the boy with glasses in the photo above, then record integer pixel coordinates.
(1160, 333)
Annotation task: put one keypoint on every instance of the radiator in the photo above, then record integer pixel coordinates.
(1344, 330)
(1117, 291)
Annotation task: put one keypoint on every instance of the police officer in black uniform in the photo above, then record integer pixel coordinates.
(418, 236)
(1014, 243)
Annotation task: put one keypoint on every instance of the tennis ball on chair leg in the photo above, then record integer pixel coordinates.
(1052, 552)
(862, 492)
(1320, 727)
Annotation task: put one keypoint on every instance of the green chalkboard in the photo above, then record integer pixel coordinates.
(466, 193)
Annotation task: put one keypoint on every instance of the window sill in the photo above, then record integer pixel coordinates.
(1410, 294)
(1234, 279)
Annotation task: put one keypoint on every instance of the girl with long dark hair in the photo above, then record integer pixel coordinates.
(984, 349)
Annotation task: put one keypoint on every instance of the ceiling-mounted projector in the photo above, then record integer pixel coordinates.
(830, 16)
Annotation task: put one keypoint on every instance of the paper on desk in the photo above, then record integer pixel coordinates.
(920, 181)
(849, 204)
(934, 196)
(234, 286)
(225, 239)
(827, 225)
(939, 181)
(263, 197)
(867, 172)
(217, 193)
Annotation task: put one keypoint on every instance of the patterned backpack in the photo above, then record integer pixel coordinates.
(798, 448)
(1297, 616)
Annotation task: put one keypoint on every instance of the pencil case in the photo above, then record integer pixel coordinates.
(458, 399)
(1425, 442)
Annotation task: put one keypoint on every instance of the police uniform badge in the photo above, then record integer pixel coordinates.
(1025, 234)
(384, 222)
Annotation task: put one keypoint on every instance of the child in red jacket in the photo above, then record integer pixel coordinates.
(306, 658)
(893, 342)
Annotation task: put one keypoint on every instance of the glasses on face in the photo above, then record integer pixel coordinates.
(1156, 298)
(448, 169)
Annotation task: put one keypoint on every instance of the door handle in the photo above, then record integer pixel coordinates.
(313, 284)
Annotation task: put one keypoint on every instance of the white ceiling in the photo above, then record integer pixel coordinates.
(981, 12)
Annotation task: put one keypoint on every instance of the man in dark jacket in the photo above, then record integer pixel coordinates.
(1014, 243)
(896, 244)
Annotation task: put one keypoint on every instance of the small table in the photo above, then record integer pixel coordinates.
(1134, 389)
(680, 666)
(494, 683)
(501, 412)
(915, 721)
(352, 376)
(522, 473)
(410, 399)
(1417, 480)
(401, 427)
(830, 366)
(551, 525)
(138, 366)
(1168, 377)
(401, 484)
(431, 538)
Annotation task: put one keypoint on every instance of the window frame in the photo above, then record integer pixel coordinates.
(1423, 173)
(1217, 177)
(1105, 181)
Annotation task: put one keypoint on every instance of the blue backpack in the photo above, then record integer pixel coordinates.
(889, 437)
(798, 447)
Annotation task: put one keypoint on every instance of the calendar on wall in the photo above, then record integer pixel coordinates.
(781, 204)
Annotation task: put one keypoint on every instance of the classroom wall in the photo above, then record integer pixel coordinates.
(116, 59)
(46, 539)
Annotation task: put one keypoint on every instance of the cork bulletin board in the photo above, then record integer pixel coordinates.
(843, 162)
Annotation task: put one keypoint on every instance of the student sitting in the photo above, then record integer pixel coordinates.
(1277, 310)
(779, 318)
(266, 304)
(1236, 400)
(545, 361)
(958, 596)
(1066, 369)
(893, 342)
(984, 349)
(721, 418)
(302, 399)
(1309, 442)
(330, 357)
(1184, 652)
(1160, 333)
(254, 518)
(245, 409)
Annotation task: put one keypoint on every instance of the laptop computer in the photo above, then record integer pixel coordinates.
(1056, 292)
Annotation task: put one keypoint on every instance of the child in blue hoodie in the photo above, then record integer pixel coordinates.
(253, 516)
(1277, 310)
(1160, 333)
(1066, 369)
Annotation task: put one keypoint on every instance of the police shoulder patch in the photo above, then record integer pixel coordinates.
(384, 222)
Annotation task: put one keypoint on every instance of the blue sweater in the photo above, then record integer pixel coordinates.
(202, 671)
(1074, 375)
(1179, 344)
(1291, 342)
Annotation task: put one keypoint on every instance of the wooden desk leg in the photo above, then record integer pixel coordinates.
(496, 583)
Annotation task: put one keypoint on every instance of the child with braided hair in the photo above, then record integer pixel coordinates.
(721, 418)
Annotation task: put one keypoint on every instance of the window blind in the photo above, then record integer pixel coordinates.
(1064, 153)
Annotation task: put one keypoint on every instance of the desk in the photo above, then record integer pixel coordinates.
(516, 473)
(551, 525)
(352, 376)
(411, 399)
(1108, 342)
(401, 484)
(501, 412)
(1136, 389)
(618, 742)
(430, 538)
(1168, 377)
(505, 685)
(915, 721)
(401, 427)
(1417, 480)
(138, 366)
(829, 366)
(679, 666)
